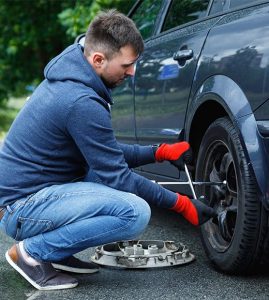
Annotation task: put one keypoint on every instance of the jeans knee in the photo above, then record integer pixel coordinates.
(142, 214)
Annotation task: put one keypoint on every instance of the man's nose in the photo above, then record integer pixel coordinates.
(130, 71)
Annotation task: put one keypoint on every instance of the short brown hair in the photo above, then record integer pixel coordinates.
(110, 31)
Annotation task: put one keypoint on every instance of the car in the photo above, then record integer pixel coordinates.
(204, 77)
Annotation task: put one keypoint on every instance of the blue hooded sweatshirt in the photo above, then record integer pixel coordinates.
(64, 134)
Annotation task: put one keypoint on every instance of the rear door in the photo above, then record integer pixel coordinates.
(165, 73)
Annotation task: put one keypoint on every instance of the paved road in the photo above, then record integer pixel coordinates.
(198, 280)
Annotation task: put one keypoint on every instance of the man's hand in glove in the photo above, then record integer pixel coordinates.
(193, 210)
(177, 154)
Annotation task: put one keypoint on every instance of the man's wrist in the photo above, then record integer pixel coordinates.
(155, 148)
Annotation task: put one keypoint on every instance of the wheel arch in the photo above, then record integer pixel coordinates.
(200, 124)
(220, 96)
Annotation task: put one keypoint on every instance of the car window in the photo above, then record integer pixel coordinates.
(184, 11)
(235, 3)
(145, 17)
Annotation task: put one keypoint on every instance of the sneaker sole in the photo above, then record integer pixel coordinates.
(37, 286)
(74, 270)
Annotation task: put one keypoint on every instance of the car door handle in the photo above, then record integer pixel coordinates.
(183, 55)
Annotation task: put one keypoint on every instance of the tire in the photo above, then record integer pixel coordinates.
(234, 240)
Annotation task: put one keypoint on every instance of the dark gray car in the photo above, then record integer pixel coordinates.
(203, 77)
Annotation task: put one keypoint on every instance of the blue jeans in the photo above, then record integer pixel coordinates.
(61, 220)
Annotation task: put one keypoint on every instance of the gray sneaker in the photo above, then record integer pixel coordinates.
(42, 276)
(75, 265)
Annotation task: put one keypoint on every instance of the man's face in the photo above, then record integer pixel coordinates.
(120, 66)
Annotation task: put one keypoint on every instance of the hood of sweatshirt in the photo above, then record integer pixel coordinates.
(72, 65)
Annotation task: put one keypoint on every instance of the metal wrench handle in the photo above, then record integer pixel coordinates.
(207, 183)
(190, 181)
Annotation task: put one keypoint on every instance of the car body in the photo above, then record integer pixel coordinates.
(203, 77)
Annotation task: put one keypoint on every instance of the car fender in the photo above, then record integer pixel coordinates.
(226, 94)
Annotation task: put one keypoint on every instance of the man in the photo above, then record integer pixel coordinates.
(65, 182)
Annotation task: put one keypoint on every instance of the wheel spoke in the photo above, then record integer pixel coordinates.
(232, 193)
(215, 174)
(224, 164)
(232, 208)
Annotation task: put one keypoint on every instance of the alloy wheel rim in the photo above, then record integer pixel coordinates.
(219, 166)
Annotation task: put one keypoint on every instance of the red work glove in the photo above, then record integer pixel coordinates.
(178, 154)
(193, 210)
(171, 152)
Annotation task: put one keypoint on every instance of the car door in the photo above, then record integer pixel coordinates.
(164, 76)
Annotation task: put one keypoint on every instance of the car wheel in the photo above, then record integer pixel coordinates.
(233, 240)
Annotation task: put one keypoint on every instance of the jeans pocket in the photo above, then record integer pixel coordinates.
(28, 227)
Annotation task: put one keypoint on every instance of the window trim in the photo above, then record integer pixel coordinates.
(165, 9)
(208, 16)
(258, 2)
(133, 8)
(243, 6)
(158, 18)
(169, 3)
(220, 12)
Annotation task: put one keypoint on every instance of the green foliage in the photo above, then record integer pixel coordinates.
(77, 19)
(31, 34)
(34, 31)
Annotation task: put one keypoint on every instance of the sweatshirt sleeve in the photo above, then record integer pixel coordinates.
(136, 155)
(89, 124)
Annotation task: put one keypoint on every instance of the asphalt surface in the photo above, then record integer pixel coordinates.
(197, 280)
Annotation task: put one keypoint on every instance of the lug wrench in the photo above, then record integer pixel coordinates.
(190, 182)
(218, 219)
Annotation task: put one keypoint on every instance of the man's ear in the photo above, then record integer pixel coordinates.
(97, 60)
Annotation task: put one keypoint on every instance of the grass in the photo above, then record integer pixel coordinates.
(8, 113)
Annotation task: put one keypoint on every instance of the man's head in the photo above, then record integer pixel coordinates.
(112, 46)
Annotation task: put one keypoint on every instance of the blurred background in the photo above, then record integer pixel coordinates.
(33, 32)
